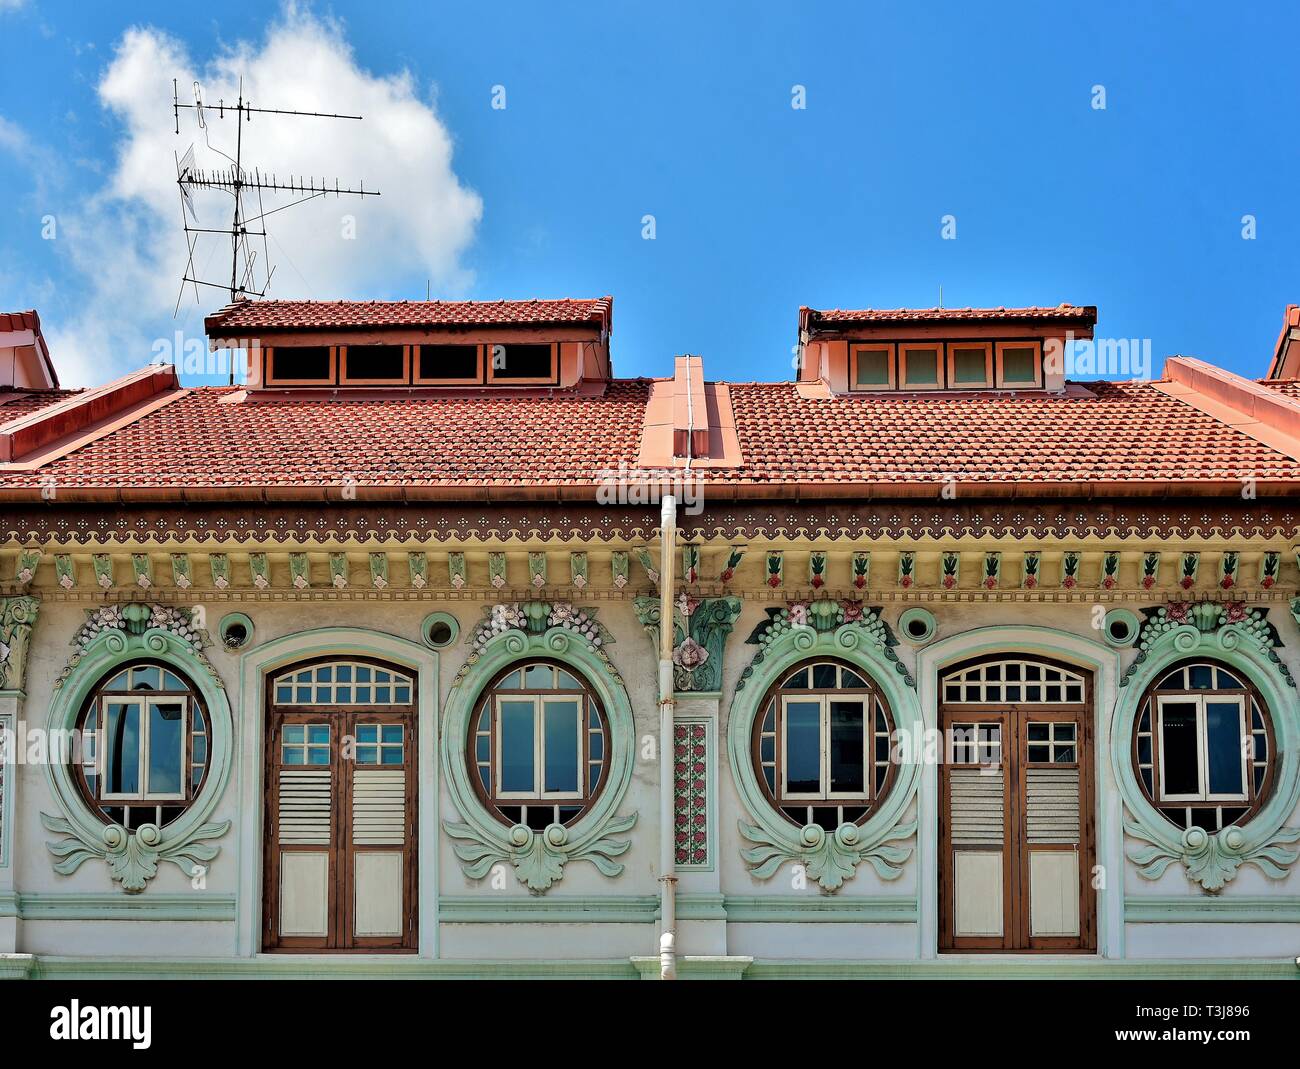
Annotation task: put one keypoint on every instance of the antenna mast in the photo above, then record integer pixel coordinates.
(236, 181)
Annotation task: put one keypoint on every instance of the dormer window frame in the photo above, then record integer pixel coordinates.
(1036, 344)
(891, 358)
(904, 348)
(344, 379)
(479, 373)
(492, 380)
(950, 362)
(271, 380)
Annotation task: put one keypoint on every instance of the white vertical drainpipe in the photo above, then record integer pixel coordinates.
(667, 857)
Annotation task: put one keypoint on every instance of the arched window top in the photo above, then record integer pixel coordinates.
(348, 683)
(1203, 746)
(1013, 681)
(821, 745)
(538, 745)
(146, 745)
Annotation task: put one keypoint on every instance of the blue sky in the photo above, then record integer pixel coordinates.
(683, 111)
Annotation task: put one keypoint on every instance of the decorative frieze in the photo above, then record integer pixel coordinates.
(618, 569)
(219, 564)
(949, 570)
(1270, 565)
(497, 569)
(417, 568)
(378, 570)
(775, 571)
(339, 571)
(259, 570)
(1110, 569)
(102, 565)
(861, 566)
(1071, 564)
(182, 578)
(992, 570)
(690, 563)
(1150, 569)
(28, 561)
(1189, 565)
(299, 571)
(817, 569)
(537, 570)
(1229, 563)
(578, 570)
(735, 554)
(907, 569)
(1031, 569)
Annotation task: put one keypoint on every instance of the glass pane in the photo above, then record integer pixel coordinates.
(324, 674)
(1064, 732)
(343, 673)
(318, 733)
(968, 366)
(873, 367)
(363, 695)
(367, 755)
(851, 680)
(392, 733)
(1178, 750)
(846, 747)
(118, 682)
(1018, 365)
(922, 367)
(1038, 732)
(367, 732)
(511, 682)
(391, 755)
(538, 677)
(1227, 681)
(318, 755)
(561, 746)
(1201, 677)
(1144, 750)
(402, 695)
(146, 677)
(363, 673)
(171, 681)
(284, 694)
(166, 748)
(200, 749)
(798, 681)
(566, 682)
(516, 732)
(383, 695)
(1065, 755)
(292, 755)
(824, 677)
(595, 745)
(803, 738)
(1223, 740)
(1040, 753)
(382, 676)
(293, 733)
(122, 748)
(767, 748)
(482, 744)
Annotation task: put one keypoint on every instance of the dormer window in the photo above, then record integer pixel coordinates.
(920, 366)
(1019, 364)
(523, 364)
(970, 365)
(872, 367)
(449, 365)
(373, 365)
(300, 365)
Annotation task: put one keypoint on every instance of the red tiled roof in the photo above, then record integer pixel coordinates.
(1114, 434)
(25, 402)
(922, 315)
(316, 315)
(20, 321)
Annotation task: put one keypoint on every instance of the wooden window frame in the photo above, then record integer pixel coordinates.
(1029, 343)
(940, 362)
(539, 702)
(345, 379)
(874, 704)
(191, 701)
(552, 380)
(270, 379)
(418, 380)
(591, 771)
(950, 363)
(890, 349)
(1252, 701)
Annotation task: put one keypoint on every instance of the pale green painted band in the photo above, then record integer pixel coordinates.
(973, 967)
(1181, 909)
(643, 909)
(118, 907)
(874, 909)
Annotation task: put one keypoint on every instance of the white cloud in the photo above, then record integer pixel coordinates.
(127, 242)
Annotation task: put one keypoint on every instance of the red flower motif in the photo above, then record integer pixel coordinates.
(905, 582)
(728, 574)
(1069, 582)
(1187, 582)
(1148, 582)
(1030, 582)
(1108, 582)
(774, 582)
(860, 582)
(1267, 581)
(948, 581)
(990, 582)
(1226, 582)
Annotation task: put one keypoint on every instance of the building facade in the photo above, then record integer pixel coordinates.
(435, 649)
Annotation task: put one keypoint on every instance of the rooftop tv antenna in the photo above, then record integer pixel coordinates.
(237, 182)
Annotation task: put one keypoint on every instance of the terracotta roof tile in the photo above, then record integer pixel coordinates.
(314, 315)
(1110, 432)
(824, 317)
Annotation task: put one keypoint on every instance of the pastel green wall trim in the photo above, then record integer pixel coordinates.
(1028, 967)
(644, 909)
(17, 618)
(312, 967)
(1210, 859)
(1216, 909)
(829, 858)
(133, 856)
(700, 630)
(697, 966)
(817, 908)
(510, 633)
(192, 906)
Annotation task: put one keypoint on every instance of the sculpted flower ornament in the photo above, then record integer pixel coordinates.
(1213, 859)
(539, 857)
(132, 856)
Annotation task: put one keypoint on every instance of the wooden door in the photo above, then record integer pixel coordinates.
(1016, 814)
(340, 860)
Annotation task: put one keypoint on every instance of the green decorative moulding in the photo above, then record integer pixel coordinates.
(700, 630)
(1242, 639)
(508, 634)
(800, 632)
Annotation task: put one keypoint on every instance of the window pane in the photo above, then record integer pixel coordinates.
(448, 362)
(846, 747)
(517, 746)
(166, 748)
(1201, 677)
(1018, 365)
(302, 362)
(922, 367)
(803, 738)
(521, 361)
(146, 677)
(376, 362)
(122, 748)
(1178, 750)
(824, 677)
(538, 677)
(873, 367)
(1223, 739)
(968, 366)
(561, 746)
